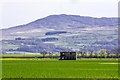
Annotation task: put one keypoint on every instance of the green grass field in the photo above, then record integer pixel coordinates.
(42, 68)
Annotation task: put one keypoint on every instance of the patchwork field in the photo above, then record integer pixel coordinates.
(53, 68)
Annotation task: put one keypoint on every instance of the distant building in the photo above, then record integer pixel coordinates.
(68, 56)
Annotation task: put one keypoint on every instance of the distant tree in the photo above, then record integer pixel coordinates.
(79, 53)
(19, 38)
(96, 55)
(91, 53)
(108, 53)
(82, 51)
(116, 51)
(50, 54)
(43, 53)
(103, 53)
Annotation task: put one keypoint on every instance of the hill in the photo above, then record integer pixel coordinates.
(63, 32)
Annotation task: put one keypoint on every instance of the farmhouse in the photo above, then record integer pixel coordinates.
(68, 56)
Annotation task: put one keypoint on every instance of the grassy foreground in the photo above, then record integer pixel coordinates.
(39, 68)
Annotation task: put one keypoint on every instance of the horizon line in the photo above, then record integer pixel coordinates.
(56, 15)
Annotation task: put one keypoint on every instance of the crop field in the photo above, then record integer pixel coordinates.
(53, 68)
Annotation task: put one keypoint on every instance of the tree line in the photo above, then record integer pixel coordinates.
(85, 54)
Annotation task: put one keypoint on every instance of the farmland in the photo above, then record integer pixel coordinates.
(92, 38)
(53, 68)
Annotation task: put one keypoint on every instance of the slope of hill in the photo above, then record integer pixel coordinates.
(67, 32)
(67, 21)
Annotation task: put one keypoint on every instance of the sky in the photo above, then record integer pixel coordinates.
(19, 12)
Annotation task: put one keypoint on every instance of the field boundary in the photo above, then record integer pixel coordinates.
(60, 79)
